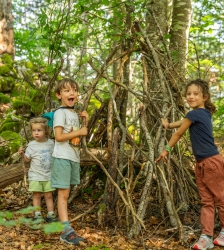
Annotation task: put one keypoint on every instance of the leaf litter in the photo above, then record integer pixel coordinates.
(22, 237)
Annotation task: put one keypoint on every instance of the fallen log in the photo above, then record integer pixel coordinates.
(15, 172)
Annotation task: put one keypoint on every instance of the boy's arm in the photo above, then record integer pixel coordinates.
(60, 136)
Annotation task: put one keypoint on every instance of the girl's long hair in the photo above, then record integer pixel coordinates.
(203, 85)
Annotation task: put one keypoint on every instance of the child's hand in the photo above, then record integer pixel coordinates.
(83, 131)
(162, 156)
(165, 123)
(85, 115)
(21, 151)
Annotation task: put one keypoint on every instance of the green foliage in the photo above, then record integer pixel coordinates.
(7, 59)
(39, 246)
(11, 122)
(22, 108)
(7, 83)
(6, 67)
(11, 145)
(87, 190)
(4, 98)
(11, 125)
(100, 247)
(4, 70)
(206, 34)
(102, 207)
(6, 219)
(218, 118)
(29, 65)
(17, 104)
(37, 102)
(55, 227)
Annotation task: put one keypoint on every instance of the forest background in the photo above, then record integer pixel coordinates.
(132, 60)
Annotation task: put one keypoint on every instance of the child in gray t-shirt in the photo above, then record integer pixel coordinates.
(66, 159)
(39, 154)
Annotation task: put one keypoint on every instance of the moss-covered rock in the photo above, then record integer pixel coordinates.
(22, 108)
(20, 90)
(37, 102)
(7, 59)
(11, 122)
(10, 144)
(4, 98)
(4, 70)
(7, 66)
(7, 83)
(29, 65)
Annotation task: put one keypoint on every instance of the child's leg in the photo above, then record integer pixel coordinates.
(37, 199)
(49, 201)
(68, 235)
(50, 207)
(63, 195)
(218, 186)
(210, 181)
(207, 200)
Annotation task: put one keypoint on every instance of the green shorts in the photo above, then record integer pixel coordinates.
(40, 186)
(64, 173)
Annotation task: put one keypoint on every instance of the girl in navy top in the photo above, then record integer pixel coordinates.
(209, 169)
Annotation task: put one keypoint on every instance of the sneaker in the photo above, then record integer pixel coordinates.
(219, 241)
(51, 218)
(69, 236)
(203, 243)
(38, 217)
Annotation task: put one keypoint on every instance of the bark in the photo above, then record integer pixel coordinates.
(6, 28)
(113, 164)
(156, 18)
(179, 32)
(11, 174)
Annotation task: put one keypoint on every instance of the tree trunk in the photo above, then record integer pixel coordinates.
(6, 28)
(179, 32)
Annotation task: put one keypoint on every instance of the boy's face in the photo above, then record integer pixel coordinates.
(68, 95)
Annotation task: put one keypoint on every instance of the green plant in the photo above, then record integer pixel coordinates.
(101, 247)
(6, 219)
(11, 146)
(4, 98)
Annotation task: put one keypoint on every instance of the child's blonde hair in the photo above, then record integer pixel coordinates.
(44, 124)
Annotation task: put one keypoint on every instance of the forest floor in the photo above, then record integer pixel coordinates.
(155, 237)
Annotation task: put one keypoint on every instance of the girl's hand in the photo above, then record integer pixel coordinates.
(165, 123)
(163, 156)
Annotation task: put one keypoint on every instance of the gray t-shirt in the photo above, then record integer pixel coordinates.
(70, 122)
(40, 154)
